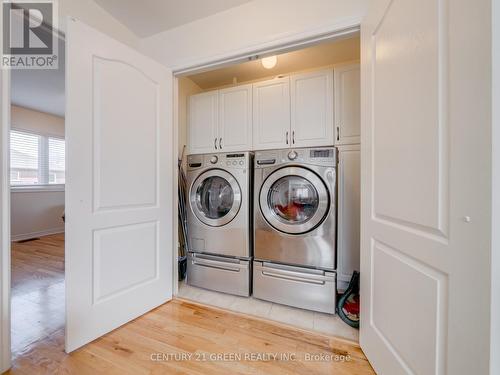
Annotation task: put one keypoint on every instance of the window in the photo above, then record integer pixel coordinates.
(36, 159)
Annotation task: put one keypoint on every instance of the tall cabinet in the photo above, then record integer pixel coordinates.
(349, 194)
(347, 140)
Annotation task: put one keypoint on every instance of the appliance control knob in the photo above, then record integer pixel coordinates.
(214, 159)
(292, 155)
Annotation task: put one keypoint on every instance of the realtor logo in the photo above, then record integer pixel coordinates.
(29, 35)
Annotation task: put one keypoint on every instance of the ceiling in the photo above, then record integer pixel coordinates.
(308, 58)
(41, 90)
(149, 17)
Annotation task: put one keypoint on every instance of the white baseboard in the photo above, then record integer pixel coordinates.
(27, 236)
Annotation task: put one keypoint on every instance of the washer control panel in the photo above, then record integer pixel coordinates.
(238, 160)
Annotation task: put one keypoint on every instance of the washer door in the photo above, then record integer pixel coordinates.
(215, 197)
(294, 200)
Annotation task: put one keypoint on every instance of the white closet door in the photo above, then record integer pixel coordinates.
(203, 117)
(426, 187)
(349, 189)
(235, 119)
(312, 109)
(347, 104)
(271, 114)
(119, 184)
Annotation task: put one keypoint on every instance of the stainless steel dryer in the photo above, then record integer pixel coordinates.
(219, 222)
(295, 227)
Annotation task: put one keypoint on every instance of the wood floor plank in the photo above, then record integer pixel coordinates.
(179, 337)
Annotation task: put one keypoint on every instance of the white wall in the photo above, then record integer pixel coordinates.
(495, 256)
(36, 213)
(186, 88)
(248, 26)
(93, 15)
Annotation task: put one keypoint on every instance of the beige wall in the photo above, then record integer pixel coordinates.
(40, 122)
(36, 212)
(186, 88)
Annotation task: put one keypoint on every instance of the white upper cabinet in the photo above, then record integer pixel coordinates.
(203, 123)
(347, 104)
(271, 114)
(312, 109)
(235, 119)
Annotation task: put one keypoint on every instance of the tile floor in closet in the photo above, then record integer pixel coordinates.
(313, 321)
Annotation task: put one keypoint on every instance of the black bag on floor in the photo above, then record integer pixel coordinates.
(348, 305)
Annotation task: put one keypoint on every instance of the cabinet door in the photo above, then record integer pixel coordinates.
(347, 104)
(202, 123)
(235, 119)
(312, 109)
(271, 114)
(349, 214)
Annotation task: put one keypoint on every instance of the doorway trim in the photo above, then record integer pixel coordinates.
(281, 44)
(285, 43)
(5, 350)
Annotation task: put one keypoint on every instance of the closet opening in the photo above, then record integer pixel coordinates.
(289, 252)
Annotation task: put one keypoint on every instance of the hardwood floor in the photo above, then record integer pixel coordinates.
(179, 337)
(37, 290)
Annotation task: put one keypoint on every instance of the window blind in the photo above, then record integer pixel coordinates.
(36, 159)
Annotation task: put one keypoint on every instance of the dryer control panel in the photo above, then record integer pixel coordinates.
(320, 156)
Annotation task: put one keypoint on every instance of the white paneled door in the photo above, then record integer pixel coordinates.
(426, 159)
(119, 184)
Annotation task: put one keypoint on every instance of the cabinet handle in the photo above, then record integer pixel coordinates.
(338, 133)
(215, 143)
(293, 137)
(286, 137)
(220, 143)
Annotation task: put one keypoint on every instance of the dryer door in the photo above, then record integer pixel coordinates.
(294, 200)
(215, 197)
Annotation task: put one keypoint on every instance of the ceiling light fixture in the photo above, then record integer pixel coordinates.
(269, 62)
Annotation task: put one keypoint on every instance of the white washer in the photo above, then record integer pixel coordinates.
(219, 222)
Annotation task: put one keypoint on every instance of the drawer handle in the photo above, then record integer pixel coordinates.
(215, 264)
(215, 143)
(294, 278)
